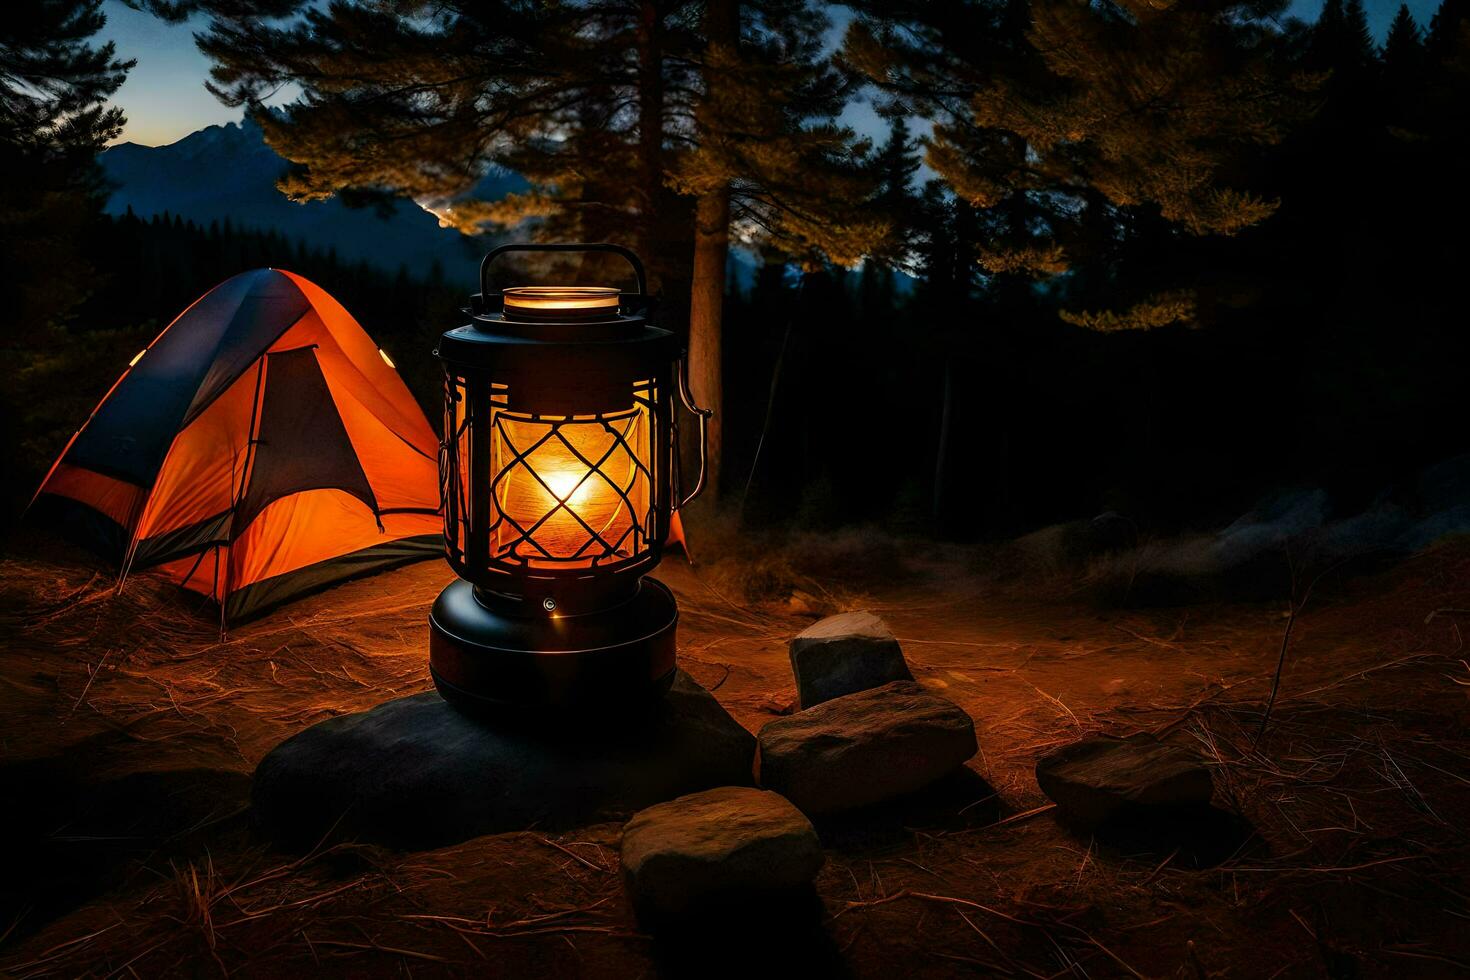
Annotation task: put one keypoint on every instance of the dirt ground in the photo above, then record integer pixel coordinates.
(128, 733)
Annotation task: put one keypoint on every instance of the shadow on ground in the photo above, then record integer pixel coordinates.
(1197, 836)
(747, 936)
(959, 801)
(76, 833)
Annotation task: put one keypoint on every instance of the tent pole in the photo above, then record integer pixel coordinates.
(250, 443)
(223, 596)
(132, 550)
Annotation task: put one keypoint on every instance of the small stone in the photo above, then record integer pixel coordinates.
(1094, 778)
(732, 842)
(414, 772)
(864, 748)
(844, 654)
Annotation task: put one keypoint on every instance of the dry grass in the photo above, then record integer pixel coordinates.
(327, 909)
(1349, 855)
(805, 573)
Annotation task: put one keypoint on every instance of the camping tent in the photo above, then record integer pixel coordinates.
(260, 447)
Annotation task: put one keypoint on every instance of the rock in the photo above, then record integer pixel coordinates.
(1109, 533)
(864, 748)
(844, 654)
(733, 842)
(413, 772)
(1106, 534)
(1094, 778)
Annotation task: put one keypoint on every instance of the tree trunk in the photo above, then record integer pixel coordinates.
(941, 458)
(711, 253)
(706, 307)
(650, 136)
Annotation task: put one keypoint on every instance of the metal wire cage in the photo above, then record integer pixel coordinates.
(559, 463)
(529, 494)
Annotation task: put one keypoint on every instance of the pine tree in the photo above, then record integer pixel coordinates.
(1356, 18)
(1445, 121)
(55, 80)
(625, 118)
(894, 165)
(1079, 124)
(1342, 45)
(768, 160)
(54, 117)
(896, 202)
(1403, 47)
(946, 244)
(1404, 66)
(1449, 31)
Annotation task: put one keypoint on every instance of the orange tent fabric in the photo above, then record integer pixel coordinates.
(261, 447)
(676, 537)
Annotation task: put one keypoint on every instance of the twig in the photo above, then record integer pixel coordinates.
(1058, 703)
(1296, 608)
(1018, 817)
(92, 673)
(573, 855)
(1303, 923)
(1333, 869)
(1162, 865)
(953, 900)
(384, 949)
(721, 682)
(990, 942)
(1445, 612)
(1437, 957)
(1116, 958)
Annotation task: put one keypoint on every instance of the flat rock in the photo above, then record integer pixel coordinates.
(864, 748)
(733, 842)
(844, 654)
(413, 772)
(1094, 778)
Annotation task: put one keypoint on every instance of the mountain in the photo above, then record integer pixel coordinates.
(228, 172)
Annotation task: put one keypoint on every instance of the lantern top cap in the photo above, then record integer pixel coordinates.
(560, 302)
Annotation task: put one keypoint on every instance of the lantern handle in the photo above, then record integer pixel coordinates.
(704, 415)
(626, 253)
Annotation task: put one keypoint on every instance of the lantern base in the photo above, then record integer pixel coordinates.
(515, 662)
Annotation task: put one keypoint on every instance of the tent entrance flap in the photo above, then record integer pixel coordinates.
(301, 443)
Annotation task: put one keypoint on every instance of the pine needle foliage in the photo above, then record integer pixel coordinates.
(592, 102)
(55, 82)
(1089, 123)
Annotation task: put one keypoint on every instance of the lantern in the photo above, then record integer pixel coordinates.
(559, 470)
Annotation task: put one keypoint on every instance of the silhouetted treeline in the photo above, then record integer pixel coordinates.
(955, 400)
(1334, 354)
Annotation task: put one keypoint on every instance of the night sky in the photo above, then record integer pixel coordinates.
(165, 99)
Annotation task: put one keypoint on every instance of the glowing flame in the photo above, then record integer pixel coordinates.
(137, 357)
(578, 494)
(386, 359)
(551, 298)
(564, 484)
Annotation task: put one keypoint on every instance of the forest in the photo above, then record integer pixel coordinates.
(971, 347)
